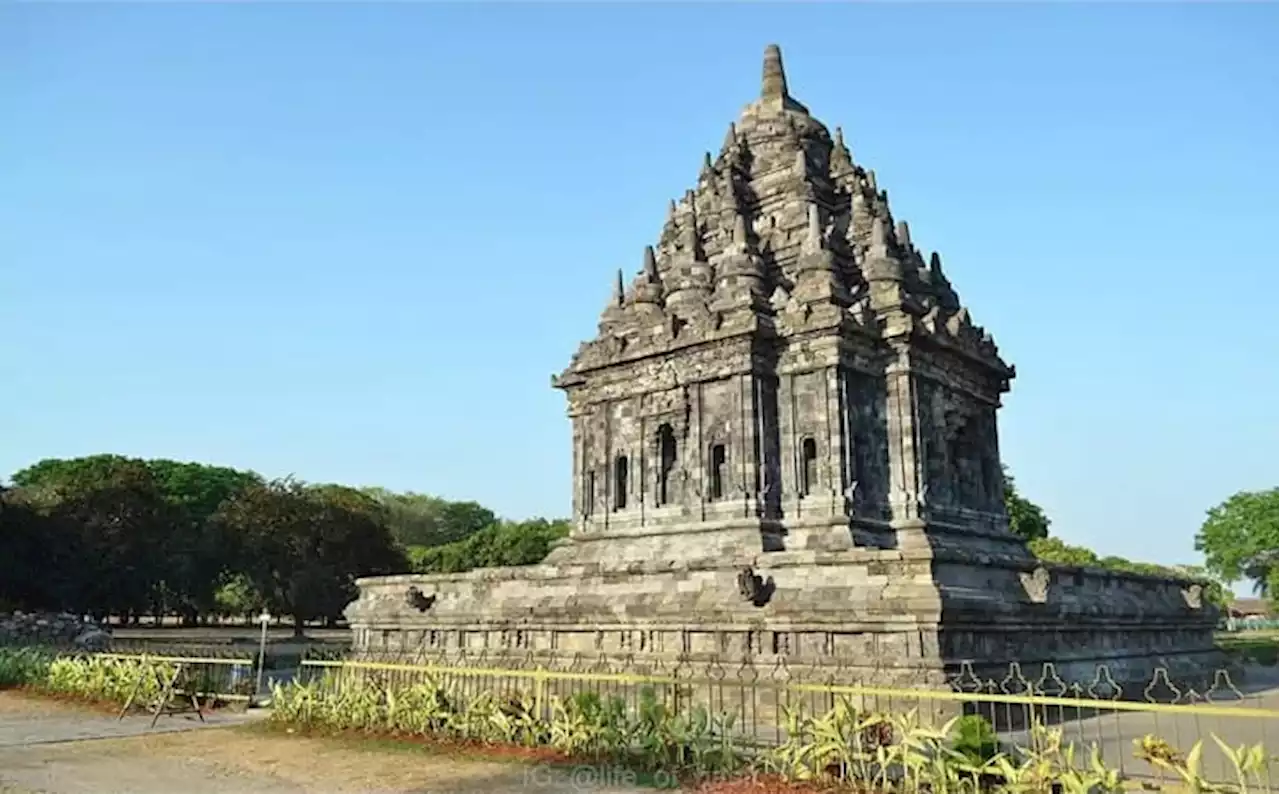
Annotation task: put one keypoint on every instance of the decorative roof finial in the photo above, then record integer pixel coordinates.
(619, 291)
(650, 264)
(740, 231)
(935, 263)
(813, 232)
(879, 235)
(904, 234)
(841, 157)
(731, 137)
(774, 85)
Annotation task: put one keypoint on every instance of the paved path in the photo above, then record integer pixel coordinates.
(1115, 733)
(28, 727)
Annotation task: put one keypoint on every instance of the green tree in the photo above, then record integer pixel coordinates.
(1054, 550)
(1027, 519)
(36, 556)
(237, 597)
(421, 520)
(118, 522)
(303, 547)
(1239, 540)
(503, 543)
(194, 554)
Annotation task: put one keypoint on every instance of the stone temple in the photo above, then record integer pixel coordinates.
(785, 448)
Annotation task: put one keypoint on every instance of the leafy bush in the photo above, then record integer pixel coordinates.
(107, 678)
(504, 543)
(876, 752)
(974, 737)
(582, 725)
(24, 666)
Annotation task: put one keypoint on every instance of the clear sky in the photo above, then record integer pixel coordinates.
(352, 242)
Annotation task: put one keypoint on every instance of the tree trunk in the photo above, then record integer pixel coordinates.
(298, 626)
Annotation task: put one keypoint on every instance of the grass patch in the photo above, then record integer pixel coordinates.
(1252, 647)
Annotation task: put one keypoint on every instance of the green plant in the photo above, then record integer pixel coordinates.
(1246, 761)
(974, 738)
(24, 666)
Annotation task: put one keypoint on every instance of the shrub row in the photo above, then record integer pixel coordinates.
(874, 752)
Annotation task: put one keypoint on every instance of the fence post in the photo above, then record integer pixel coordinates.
(540, 693)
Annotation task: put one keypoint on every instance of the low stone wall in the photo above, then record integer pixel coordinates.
(900, 618)
(58, 629)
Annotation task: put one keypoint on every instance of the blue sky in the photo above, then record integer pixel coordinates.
(353, 241)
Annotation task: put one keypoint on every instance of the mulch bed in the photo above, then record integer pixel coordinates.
(745, 784)
(766, 784)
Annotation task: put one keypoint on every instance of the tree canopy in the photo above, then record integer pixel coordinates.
(113, 535)
(1027, 519)
(421, 520)
(1239, 540)
(502, 543)
(302, 547)
(108, 534)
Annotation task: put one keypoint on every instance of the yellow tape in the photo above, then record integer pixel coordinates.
(1241, 712)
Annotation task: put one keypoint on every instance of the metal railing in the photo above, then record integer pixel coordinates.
(767, 704)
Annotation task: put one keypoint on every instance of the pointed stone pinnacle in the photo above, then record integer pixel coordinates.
(813, 235)
(707, 163)
(731, 137)
(879, 235)
(740, 231)
(650, 264)
(774, 83)
(619, 291)
(671, 210)
(839, 141)
(935, 263)
(904, 234)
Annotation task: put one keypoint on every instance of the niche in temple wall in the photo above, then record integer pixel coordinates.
(593, 461)
(667, 451)
(869, 439)
(768, 474)
(961, 461)
(626, 449)
(722, 439)
(810, 437)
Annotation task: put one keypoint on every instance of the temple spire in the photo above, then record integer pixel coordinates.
(619, 290)
(740, 230)
(774, 84)
(731, 137)
(650, 264)
(813, 230)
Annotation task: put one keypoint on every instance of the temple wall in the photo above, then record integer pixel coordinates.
(877, 615)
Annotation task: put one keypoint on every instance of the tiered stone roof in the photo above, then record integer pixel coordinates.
(784, 233)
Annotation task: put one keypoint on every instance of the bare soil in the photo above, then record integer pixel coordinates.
(245, 760)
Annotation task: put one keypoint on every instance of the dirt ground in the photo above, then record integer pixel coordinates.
(241, 760)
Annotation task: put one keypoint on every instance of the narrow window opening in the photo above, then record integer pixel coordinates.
(589, 497)
(808, 466)
(666, 462)
(719, 470)
(620, 483)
